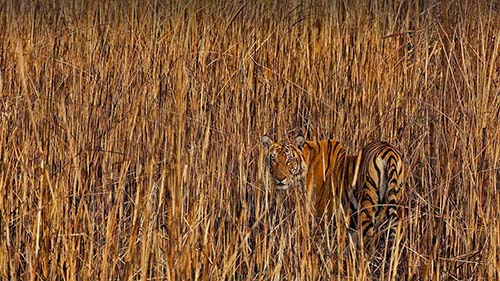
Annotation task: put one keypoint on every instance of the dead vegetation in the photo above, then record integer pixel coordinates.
(130, 134)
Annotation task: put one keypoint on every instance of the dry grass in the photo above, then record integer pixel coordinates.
(130, 134)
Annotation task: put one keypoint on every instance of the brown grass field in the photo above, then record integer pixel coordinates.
(131, 135)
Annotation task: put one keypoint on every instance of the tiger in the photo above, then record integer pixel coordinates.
(366, 187)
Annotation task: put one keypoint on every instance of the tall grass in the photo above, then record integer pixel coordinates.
(130, 135)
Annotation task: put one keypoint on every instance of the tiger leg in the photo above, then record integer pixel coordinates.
(367, 210)
(393, 216)
(393, 200)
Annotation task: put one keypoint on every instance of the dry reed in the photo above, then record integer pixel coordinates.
(130, 134)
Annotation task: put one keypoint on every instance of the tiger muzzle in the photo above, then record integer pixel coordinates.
(280, 184)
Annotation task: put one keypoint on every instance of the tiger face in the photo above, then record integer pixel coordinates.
(286, 162)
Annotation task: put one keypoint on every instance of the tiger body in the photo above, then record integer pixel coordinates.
(378, 193)
(331, 178)
(325, 161)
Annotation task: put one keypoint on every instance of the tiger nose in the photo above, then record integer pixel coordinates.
(280, 182)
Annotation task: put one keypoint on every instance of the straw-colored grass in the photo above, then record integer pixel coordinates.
(130, 135)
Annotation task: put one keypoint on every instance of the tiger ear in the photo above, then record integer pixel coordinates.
(300, 141)
(267, 141)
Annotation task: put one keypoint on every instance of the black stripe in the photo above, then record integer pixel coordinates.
(391, 174)
(339, 155)
(335, 147)
(368, 200)
(379, 172)
(393, 158)
(394, 192)
(392, 202)
(386, 152)
(368, 213)
(338, 152)
(312, 149)
(329, 152)
(393, 177)
(370, 181)
(308, 145)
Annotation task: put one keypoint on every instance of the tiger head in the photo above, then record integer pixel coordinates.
(286, 162)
